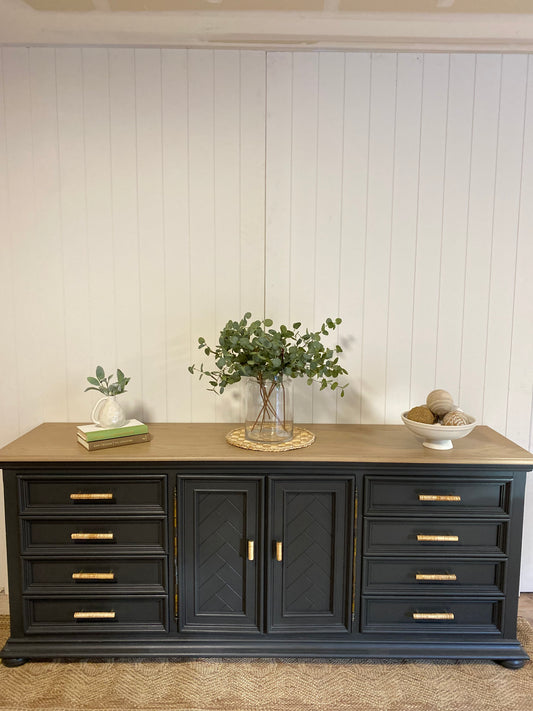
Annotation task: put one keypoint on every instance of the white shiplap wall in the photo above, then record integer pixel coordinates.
(146, 196)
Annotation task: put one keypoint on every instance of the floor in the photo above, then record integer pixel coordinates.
(525, 606)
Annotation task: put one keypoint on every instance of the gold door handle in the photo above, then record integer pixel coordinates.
(94, 615)
(250, 550)
(433, 616)
(436, 576)
(91, 497)
(92, 536)
(438, 497)
(436, 539)
(279, 551)
(93, 576)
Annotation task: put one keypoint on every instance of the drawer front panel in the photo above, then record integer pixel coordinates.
(87, 535)
(67, 493)
(435, 615)
(85, 574)
(429, 536)
(95, 614)
(416, 575)
(438, 495)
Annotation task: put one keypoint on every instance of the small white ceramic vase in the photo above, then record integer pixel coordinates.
(108, 412)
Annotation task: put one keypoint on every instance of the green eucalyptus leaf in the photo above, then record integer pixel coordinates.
(100, 373)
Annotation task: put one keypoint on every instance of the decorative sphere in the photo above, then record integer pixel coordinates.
(440, 402)
(421, 413)
(455, 418)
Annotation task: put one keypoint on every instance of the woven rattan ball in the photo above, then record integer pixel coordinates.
(455, 418)
(421, 413)
(440, 402)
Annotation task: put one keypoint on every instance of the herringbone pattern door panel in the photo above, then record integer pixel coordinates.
(309, 554)
(221, 530)
(220, 584)
(311, 533)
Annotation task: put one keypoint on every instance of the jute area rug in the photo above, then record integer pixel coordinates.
(267, 684)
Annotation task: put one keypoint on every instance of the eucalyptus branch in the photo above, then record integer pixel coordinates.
(255, 349)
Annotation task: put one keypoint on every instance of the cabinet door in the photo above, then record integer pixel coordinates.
(311, 552)
(220, 523)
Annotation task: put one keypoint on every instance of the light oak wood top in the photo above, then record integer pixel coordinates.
(382, 444)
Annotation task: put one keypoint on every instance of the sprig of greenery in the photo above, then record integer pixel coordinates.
(259, 351)
(104, 385)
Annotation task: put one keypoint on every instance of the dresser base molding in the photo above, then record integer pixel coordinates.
(509, 653)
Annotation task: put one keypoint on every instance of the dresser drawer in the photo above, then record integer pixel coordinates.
(89, 574)
(419, 574)
(444, 615)
(89, 615)
(437, 495)
(89, 535)
(428, 536)
(87, 493)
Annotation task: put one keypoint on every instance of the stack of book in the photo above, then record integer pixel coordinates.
(93, 437)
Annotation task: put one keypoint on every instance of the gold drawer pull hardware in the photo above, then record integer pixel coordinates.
(91, 497)
(94, 615)
(93, 576)
(250, 550)
(433, 616)
(437, 576)
(279, 551)
(437, 497)
(439, 539)
(92, 536)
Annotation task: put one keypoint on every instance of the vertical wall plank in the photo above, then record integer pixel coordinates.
(202, 217)
(353, 228)
(22, 227)
(378, 235)
(227, 162)
(480, 218)
(429, 231)
(278, 183)
(74, 237)
(50, 333)
(102, 257)
(176, 229)
(302, 162)
(252, 180)
(9, 412)
(124, 211)
(454, 222)
(403, 237)
(150, 230)
(330, 148)
(504, 240)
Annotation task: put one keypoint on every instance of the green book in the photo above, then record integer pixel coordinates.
(94, 433)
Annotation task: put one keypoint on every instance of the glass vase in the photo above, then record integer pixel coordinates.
(269, 410)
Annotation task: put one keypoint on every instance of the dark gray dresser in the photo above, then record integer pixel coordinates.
(364, 544)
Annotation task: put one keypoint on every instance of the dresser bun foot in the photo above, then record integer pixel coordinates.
(511, 663)
(14, 661)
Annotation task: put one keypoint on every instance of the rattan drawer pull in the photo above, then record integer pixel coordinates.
(94, 615)
(91, 497)
(438, 497)
(433, 616)
(436, 576)
(436, 539)
(93, 576)
(92, 536)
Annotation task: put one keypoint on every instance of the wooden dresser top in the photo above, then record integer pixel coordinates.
(381, 444)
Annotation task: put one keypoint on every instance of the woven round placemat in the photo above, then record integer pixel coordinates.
(301, 438)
